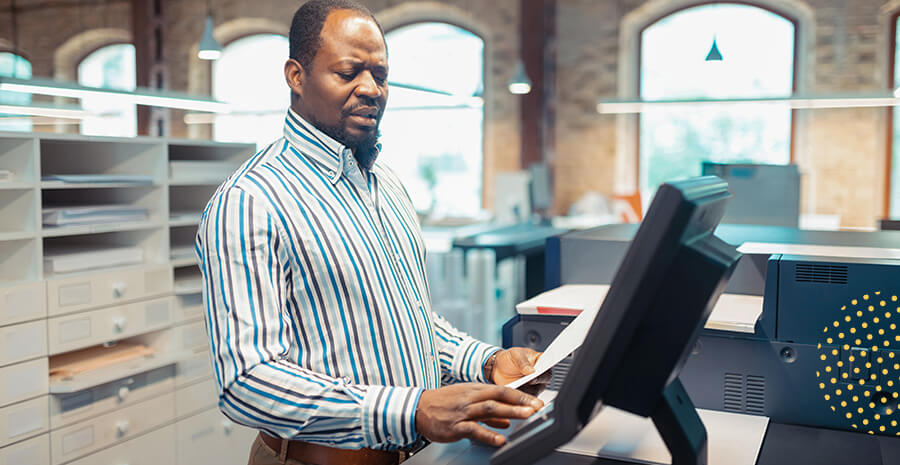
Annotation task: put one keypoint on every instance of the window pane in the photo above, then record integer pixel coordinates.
(674, 141)
(250, 76)
(13, 65)
(433, 141)
(111, 67)
(895, 147)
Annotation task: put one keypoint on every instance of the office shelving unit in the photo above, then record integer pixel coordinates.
(158, 406)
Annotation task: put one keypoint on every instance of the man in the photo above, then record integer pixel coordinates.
(321, 329)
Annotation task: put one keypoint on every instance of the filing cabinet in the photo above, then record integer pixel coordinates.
(66, 409)
(23, 381)
(92, 290)
(35, 451)
(85, 329)
(23, 420)
(188, 308)
(79, 439)
(24, 341)
(190, 337)
(192, 368)
(196, 397)
(154, 448)
(22, 302)
(209, 437)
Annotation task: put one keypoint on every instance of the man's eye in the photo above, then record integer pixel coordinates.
(347, 76)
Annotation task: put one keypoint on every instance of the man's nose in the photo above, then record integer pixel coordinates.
(368, 87)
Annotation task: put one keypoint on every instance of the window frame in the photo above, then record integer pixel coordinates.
(794, 73)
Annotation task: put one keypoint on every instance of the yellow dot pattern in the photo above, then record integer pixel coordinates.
(872, 367)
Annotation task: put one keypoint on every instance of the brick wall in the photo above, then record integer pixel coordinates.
(841, 152)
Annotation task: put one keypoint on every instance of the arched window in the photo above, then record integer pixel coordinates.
(894, 160)
(757, 47)
(250, 76)
(12, 65)
(433, 138)
(113, 67)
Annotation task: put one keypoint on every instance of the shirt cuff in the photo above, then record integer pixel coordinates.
(468, 365)
(389, 416)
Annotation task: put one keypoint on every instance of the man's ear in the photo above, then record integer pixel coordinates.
(295, 76)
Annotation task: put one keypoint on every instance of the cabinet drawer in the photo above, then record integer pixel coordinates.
(22, 302)
(192, 368)
(94, 327)
(154, 448)
(92, 290)
(89, 436)
(66, 409)
(188, 308)
(23, 381)
(190, 337)
(196, 397)
(209, 437)
(23, 342)
(35, 451)
(22, 420)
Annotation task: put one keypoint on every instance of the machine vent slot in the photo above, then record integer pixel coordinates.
(756, 394)
(734, 392)
(819, 273)
(560, 370)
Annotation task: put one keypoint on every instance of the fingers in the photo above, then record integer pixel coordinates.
(472, 430)
(524, 359)
(507, 396)
(494, 409)
(499, 423)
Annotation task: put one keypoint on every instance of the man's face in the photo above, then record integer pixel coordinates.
(345, 90)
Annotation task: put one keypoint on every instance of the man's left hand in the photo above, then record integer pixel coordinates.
(514, 363)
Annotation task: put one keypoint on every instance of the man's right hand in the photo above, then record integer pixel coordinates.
(454, 412)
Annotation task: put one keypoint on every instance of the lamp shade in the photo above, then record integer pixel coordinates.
(520, 84)
(209, 48)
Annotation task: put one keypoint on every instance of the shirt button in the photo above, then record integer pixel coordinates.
(346, 379)
(390, 438)
(330, 173)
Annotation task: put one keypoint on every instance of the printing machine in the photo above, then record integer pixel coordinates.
(823, 357)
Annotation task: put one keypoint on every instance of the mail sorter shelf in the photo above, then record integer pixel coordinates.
(114, 372)
(78, 160)
(88, 211)
(18, 213)
(20, 261)
(67, 255)
(18, 162)
(186, 203)
(188, 280)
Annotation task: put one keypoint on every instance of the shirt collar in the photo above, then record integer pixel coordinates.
(310, 141)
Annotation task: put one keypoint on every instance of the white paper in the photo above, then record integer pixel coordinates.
(564, 344)
(819, 250)
(733, 439)
(736, 312)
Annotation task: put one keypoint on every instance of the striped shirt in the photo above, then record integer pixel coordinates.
(317, 306)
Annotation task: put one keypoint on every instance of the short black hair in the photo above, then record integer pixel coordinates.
(306, 27)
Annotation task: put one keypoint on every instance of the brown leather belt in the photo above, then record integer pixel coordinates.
(315, 454)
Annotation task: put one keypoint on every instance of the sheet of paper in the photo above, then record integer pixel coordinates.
(819, 250)
(736, 312)
(564, 344)
(568, 299)
(733, 439)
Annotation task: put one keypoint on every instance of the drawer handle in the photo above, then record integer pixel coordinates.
(118, 289)
(119, 324)
(122, 428)
(227, 427)
(123, 393)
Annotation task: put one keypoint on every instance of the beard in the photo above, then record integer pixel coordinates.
(363, 146)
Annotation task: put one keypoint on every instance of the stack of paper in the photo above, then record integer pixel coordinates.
(6, 176)
(92, 214)
(210, 170)
(71, 259)
(181, 251)
(99, 178)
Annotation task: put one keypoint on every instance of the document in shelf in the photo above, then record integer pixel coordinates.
(68, 259)
(92, 214)
(99, 178)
